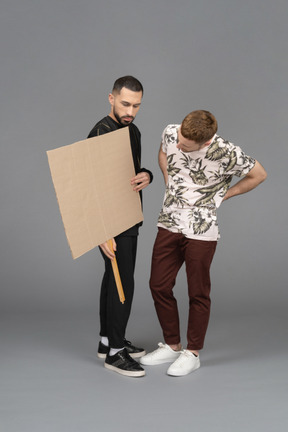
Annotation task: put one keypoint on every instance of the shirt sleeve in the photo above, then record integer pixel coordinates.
(169, 136)
(163, 141)
(239, 163)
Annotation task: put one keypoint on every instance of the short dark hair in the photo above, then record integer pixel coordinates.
(128, 82)
(199, 126)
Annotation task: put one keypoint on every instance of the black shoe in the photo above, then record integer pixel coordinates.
(133, 351)
(103, 350)
(124, 364)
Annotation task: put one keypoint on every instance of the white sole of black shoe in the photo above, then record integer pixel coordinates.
(137, 355)
(133, 355)
(101, 356)
(134, 374)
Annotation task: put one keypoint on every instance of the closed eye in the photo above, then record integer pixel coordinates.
(127, 104)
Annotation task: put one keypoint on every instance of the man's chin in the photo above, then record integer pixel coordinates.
(126, 122)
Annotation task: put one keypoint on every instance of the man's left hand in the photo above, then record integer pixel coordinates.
(140, 181)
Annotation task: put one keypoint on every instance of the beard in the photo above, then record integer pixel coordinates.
(121, 119)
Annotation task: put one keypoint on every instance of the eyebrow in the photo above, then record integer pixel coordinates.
(126, 102)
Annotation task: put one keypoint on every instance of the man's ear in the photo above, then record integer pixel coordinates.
(111, 99)
(208, 143)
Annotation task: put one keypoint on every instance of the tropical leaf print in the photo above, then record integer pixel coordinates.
(232, 161)
(175, 196)
(215, 152)
(199, 177)
(196, 172)
(201, 227)
(202, 220)
(167, 219)
(170, 158)
(210, 191)
(171, 134)
(171, 169)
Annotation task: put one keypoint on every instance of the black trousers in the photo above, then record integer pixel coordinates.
(113, 314)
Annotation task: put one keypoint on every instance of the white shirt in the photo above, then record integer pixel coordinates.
(197, 183)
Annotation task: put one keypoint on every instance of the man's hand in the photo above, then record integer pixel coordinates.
(107, 251)
(140, 181)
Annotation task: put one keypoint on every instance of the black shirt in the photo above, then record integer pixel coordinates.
(106, 125)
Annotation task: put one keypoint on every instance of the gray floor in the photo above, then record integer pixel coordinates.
(51, 380)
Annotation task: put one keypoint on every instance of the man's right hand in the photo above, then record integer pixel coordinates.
(107, 251)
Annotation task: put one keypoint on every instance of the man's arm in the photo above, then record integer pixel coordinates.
(256, 176)
(143, 176)
(162, 160)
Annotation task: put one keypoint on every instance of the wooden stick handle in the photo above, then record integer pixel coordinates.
(116, 274)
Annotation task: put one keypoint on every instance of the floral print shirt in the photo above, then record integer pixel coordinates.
(197, 183)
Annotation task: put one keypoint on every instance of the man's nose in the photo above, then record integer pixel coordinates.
(130, 111)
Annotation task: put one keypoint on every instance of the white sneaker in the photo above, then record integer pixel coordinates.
(186, 363)
(163, 354)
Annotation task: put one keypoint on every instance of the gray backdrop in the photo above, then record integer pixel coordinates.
(59, 59)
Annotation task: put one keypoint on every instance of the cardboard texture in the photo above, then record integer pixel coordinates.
(92, 184)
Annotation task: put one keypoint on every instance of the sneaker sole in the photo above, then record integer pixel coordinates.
(133, 355)
(177, 374)
(137, 355)
(101, 356)
(134, 374)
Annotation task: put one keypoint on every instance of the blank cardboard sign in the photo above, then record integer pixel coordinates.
(92, 184)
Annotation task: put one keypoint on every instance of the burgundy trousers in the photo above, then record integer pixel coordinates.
(170, 251)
